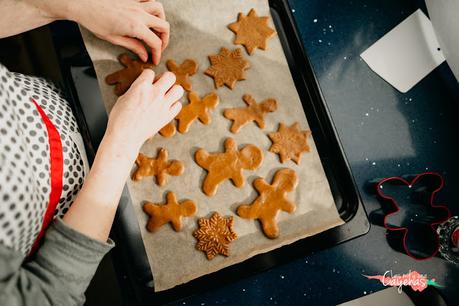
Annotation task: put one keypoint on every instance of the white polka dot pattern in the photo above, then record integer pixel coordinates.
(24, 157)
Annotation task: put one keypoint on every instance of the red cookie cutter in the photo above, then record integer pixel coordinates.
(433, 225)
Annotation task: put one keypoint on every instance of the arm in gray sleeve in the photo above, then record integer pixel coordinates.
(59, 274)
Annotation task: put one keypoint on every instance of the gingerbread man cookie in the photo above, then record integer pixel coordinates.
(168, 130)
(182, 72)
(171, 212)
(252, 31)
(254, 112)
(227, 67)
(271, 200)
(122, 79)
(196, 109)
(228, 165)
(214, 235)
(289, 142)
(159, 167)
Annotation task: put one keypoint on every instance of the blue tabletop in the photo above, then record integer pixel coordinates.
(384, 133)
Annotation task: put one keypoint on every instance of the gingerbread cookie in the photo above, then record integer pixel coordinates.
(168, 130)
(214, 235)
(196, 109)
(227, 67)
(228, 165)
(182, 72)
(252, 31)
(159, 167)
(254, 112)
(122, 79)
(171, 212)
(289, 142)
(271, 200)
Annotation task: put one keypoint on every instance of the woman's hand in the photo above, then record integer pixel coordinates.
(144, 109)
(128, 23)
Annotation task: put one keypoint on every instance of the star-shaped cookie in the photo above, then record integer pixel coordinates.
(197, 109)
(289, 142)
(227, 67)
(182, 72)
(214, 235)
(252, 31)
(171, 212)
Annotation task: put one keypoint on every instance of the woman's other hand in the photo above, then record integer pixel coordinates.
(127, 23)
(144, 109)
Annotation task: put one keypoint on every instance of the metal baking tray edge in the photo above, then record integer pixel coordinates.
(131, 261)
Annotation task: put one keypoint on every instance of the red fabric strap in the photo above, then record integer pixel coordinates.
(56, 173)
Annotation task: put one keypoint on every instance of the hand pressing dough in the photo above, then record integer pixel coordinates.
(171, 212)
(227, 67)
(252, 31)
(159, 167)
(182, 72)
(228, 165)
(289, 142)
(271, 200)
(196, 109)
(123, 79)
(214, 235)
(253, 112)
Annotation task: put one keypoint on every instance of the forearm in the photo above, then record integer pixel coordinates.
(59, 273)
(22, 15)
(94, 208)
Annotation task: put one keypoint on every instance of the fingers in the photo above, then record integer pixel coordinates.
(161, 27)
(132, 44)
(147, 76)
(165, 82)
(175, 109)
(174, 94)
(154, 8)
(153, 41)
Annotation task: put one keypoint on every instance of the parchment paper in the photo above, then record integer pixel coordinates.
(199, 29)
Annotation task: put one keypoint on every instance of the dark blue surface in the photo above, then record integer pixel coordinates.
(384, 133)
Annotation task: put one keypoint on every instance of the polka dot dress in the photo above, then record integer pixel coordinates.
(25, 183)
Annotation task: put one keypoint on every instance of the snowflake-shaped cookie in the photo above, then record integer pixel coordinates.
(214, 235)
(289, 142)
(227, 67)
(252, 31)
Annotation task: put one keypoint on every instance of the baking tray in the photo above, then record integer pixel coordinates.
(129, 256)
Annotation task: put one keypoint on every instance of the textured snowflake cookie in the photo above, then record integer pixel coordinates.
(159, 167)
(122, 79)
(253, 112)
(172, 212)
(214, 235)
(227, 67)
(182, 72)
(196, 109)
(252, 31)
(228, 165)
(289, 142)
(271, 200)
(168, 130)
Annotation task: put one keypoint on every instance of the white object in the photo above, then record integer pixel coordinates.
(443, 15)
(406, 54)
